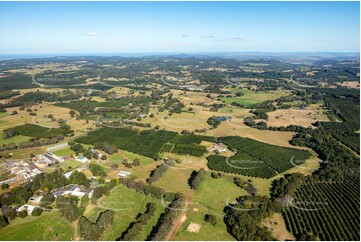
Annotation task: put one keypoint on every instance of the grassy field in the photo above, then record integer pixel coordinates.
(175, 179)
(3, 114)
(64, 152)
(127, 204)
(48, 226)
(206, 232)
(70, 163)
(15, 139)
(25, 153)
(251, 97)
(121, 155)
(213, 194)
(210, 198)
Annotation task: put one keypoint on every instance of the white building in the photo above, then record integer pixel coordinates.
(28, 208)
(123, 174)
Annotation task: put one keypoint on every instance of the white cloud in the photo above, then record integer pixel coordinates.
(91, 34)
(185, 35)
(209, 36)
(235, 39)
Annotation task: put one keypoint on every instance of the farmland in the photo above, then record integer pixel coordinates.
(177, 132)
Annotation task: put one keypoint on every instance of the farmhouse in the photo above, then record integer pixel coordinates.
(218, 148)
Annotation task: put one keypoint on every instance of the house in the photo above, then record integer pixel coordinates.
(218, 148)
(82, 159)
(123, 174)
(26, 207)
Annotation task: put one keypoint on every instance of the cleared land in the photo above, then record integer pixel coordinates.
(292, 116)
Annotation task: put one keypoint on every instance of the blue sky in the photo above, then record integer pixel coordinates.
(128, 27)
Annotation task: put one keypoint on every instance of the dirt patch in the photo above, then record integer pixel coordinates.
(349, 84)
(183, 218)
(193, 228)
(277, 227)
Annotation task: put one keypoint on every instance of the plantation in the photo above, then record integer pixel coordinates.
(148, 143)
(37, 131)
(256, 159)
(187, 144)
(329, 211)
(189, 149)
(348, 110)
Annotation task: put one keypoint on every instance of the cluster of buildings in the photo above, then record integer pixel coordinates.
(47, 159)
(24, 171)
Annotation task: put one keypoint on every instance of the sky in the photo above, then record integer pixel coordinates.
(178, 27)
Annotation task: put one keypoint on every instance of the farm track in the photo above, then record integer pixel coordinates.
(178, 223)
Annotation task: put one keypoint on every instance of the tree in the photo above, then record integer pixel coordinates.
(3, 221)
(98, 193)
(10, 213)
(4, 186)
(68, 207)
(36, 211)
(72, 113)
(196, 179)
(88, 154)
(10, 133)
(77, 178)
(47, 199)
(210, 218)
(22, 214)
(105, 219)
(136, 162)
(97, 170)
(104, 157)
(77, 148)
